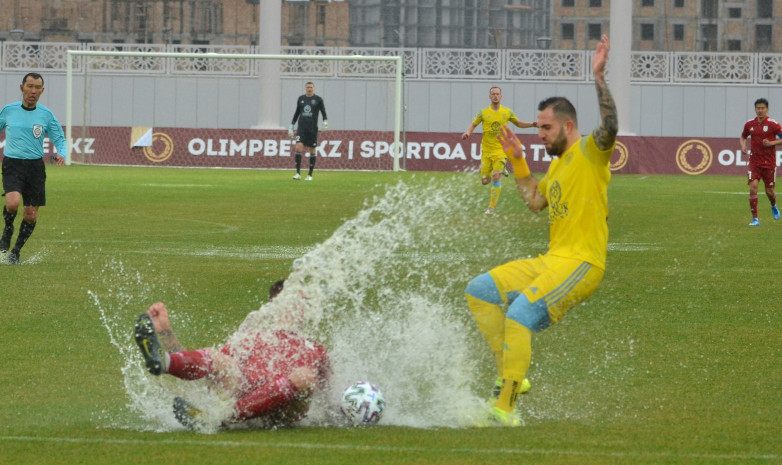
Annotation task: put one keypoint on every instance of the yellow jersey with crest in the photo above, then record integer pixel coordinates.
(576, 188)
(492, 121)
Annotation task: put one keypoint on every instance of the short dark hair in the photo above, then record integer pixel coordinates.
(561, 108)
(276, 288)
(32, 75)
(761, 100)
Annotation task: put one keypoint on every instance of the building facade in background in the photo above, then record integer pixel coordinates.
(449, 23)
(674, 25)
(208, 22)
(658, 25)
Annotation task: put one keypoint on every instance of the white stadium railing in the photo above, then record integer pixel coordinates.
(419, 64)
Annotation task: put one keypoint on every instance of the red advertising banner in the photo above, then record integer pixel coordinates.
(368, 150)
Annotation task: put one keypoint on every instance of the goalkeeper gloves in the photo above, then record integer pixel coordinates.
(290, 132)
(325, 125)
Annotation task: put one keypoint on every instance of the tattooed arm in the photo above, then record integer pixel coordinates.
(605, 134)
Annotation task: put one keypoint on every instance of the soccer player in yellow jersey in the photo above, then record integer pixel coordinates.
(493, 157)
(539, 291)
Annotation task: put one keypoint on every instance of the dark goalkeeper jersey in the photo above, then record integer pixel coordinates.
(307, 109)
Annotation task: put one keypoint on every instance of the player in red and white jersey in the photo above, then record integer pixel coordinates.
(270, 374)
(761, 131)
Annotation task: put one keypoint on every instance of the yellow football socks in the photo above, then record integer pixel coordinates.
(508, 394)
(491, 323)
(495, 195)
(517, 355)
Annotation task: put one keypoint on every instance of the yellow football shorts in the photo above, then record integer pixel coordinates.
(541, 290)
(491, 162)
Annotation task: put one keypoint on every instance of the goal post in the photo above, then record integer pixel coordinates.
(157, 64)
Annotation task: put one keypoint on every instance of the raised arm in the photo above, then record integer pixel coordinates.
(526, 184)
(605, 134)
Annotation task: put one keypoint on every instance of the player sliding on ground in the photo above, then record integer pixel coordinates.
(271, 375)
(539, 291)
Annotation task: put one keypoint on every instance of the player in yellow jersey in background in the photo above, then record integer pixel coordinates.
(493, 157)
(539, 291)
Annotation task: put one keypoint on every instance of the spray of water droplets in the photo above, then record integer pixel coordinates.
(384, 294)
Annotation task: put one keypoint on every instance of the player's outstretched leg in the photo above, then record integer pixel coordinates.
(186, 414)
(149, 343)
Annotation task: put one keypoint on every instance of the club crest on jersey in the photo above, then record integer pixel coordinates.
(37, 130)
(765, 128)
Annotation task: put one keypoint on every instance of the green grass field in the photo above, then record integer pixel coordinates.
(674, 360)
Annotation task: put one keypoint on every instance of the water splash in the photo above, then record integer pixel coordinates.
(34, 258)
(384, 294)
(118, 305)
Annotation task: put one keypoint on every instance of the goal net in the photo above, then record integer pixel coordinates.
(213, 109)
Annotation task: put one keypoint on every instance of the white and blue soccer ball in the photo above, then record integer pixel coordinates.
(363, 404)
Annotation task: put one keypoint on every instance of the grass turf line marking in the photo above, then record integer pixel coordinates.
(177, 185)
(286, 445)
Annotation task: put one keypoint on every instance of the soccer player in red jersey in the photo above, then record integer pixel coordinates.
(270, 374)
(761, 131)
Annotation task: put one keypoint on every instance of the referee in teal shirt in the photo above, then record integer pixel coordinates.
(26, 123)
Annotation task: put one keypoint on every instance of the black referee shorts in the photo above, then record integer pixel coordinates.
(28, 177)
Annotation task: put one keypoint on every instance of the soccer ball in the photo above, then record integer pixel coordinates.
(363, 404)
